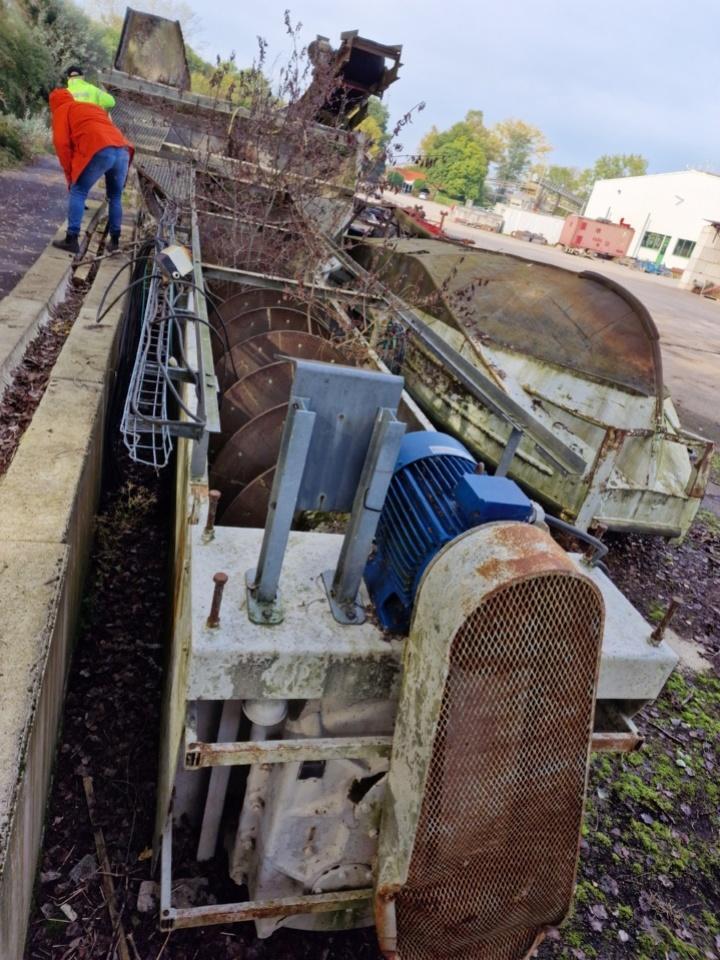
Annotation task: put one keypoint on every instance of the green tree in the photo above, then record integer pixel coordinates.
(520, 144)
(226, 82)
(471, 128)
(459, 169)
(372, 130)
(375, 126)
(610, 167)
(566, 177)
(395, 179)
(380, 114)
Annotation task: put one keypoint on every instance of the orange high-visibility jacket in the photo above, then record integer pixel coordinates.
(80, 130)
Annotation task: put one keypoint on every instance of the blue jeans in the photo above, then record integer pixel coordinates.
(113, 162)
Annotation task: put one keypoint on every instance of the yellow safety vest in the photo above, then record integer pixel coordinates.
(85, 92)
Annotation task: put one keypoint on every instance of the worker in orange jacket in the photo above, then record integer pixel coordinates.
(88, 145)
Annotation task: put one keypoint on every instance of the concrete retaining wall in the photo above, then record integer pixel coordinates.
(48, 499)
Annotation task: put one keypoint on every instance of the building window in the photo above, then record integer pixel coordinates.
(653, 241)
(684, 248)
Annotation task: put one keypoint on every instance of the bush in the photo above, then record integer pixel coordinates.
(11, 144)
(26, 67)
(39, 39)
(21, 139)
(69, 35)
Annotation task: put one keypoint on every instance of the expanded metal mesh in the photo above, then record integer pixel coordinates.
(144, 127)
(172, 177)
(497, 841)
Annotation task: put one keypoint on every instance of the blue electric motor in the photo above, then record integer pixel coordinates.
(434, 496)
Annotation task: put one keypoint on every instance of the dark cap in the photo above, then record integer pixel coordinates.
(74, 72)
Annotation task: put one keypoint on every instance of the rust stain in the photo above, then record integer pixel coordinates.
(702, 471)
(616, 742)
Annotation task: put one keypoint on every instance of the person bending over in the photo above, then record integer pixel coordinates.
(88, 146)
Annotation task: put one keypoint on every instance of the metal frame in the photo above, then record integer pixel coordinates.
(214, 271)
(262, 583)
(173, 918)
(165, 331)
(335, 399)
(343, 584)
(199, 755)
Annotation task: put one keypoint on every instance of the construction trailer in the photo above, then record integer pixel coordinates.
(599, 237)
(386, 676)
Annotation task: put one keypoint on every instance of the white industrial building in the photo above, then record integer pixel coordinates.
(667, 210)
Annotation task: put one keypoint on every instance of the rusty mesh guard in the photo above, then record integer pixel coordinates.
(497, 839)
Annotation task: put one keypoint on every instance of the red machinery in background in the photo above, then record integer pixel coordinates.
(598, 236)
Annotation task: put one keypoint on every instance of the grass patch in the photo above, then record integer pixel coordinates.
(651, 838)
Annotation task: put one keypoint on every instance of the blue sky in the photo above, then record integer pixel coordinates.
(605, 76)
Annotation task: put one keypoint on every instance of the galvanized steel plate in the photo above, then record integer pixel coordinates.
(152, 48)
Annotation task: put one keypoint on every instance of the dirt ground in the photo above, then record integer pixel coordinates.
(33, 201)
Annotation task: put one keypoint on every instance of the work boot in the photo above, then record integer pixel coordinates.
(113, 242)
(69, 244)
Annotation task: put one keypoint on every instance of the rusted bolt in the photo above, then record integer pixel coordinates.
(209, 531)
(220, 579)
(659, 632)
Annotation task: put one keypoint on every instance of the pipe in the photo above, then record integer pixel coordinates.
(599, 548)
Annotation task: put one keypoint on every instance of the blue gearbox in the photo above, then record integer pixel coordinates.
(435, 495)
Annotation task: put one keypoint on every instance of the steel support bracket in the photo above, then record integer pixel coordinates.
(343, 584)
(262, 583)
(260, 611)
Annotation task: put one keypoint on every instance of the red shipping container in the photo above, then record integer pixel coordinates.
(606, 239)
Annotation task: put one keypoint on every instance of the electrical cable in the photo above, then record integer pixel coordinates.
(600, 549)
(130, 263)
(153, 276)
(228, 350)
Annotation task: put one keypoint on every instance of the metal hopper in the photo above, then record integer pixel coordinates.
(578, 353)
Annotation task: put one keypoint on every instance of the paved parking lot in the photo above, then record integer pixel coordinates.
(689, 325)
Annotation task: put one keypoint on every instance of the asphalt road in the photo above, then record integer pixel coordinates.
(33, 202)
(689, 325)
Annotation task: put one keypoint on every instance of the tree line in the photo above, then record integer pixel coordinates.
(455, 162)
